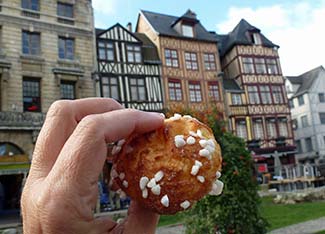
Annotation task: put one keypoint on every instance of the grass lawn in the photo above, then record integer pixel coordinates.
(277, 215)
(321, 232)
(284, 215)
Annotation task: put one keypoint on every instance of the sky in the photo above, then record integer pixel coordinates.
(297, 26)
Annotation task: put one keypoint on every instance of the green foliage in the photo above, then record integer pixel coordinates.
(237, 209)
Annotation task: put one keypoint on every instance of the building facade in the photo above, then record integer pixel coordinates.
(257, 105)
(190, 59)
(46, 53)
(129, 68)
(306, 94)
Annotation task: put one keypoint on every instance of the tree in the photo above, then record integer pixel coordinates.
(236, 211)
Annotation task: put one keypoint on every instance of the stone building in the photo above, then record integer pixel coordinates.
(46, 53)
(256, 100)
(306, 94)
(190, 59)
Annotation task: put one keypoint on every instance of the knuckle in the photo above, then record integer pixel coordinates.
(89, 123)
(60, 108)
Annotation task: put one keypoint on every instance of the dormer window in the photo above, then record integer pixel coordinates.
(133, 53)
(187, 30)
(256, 38)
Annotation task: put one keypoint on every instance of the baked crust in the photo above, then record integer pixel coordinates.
(146, 155)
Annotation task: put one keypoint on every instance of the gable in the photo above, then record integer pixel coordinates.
(118, 33)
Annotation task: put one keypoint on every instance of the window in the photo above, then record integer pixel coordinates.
(106, 51)
(253, 95)
(175, 90)
(65, 10)
(236, 99)
(298, 145)
(31, 43)
(138, 89)
(283, 127)
(68, 90)
(304, 121)
(171, 58)
(134, 53)
(260, 65)
(258, 128)
(322, 118)
(277, 94)
(31, 95)
(110, 87)
(321, 97)
(265, 94)
(66, 48)
(187, 30)
(248, 65)
(301, 100)
(30, 5)
(309, 144)
(256, 38)
(291, 104)
(241, 130)
(271, 128)
(191, 61)
(209, 62)
(272, 67)
(195, 92)
(214, 91)
(294, 124)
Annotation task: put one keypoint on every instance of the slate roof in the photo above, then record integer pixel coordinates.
(231, 85)
(163, 24)
(99, 31)
(306, 79)
(238, 36)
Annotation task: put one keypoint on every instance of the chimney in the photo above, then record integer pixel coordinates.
(129, 26)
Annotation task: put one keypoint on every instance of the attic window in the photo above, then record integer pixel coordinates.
(187, 30)
(256, 38)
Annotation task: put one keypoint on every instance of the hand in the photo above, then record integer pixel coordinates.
(61, 191)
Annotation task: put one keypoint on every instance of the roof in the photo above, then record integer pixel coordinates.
(99, 31)
(231, 85)
(163, 25)
(306, 80)
(238, 36)
(149, 50)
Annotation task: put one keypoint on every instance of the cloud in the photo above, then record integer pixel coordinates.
(297, 28)
(107, 7)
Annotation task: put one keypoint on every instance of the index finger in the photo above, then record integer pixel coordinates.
(61, 120)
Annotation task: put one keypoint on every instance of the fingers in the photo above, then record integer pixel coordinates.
(140, 220)
(61, 120)
(84, 153)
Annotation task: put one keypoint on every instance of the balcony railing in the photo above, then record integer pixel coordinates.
(19, 120)
(238, 110)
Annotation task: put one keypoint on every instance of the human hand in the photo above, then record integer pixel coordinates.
(61, 190)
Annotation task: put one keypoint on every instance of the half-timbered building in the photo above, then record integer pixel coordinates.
(190, 59)
(257, 105)
(129, 68)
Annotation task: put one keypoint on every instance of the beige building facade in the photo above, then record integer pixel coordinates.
(47, 52)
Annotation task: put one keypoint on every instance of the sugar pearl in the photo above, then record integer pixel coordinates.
(159, 175)
(116, 149)
(198, 163)
(120, 142)
(151, 183)
(125, 183)
(204, 153)
(201, 179)
(143, 182)
(190, 140)
(122, 176)
(145, 193)
(217, 188)
(185, 204)
(195, 170)
(193, 134)
(218, 174)
(203, 143)
(179, 142)
(156, 189)
(165, 201)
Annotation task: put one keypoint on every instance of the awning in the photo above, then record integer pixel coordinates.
(14, 169)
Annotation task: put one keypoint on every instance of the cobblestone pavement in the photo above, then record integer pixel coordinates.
(308, 227)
